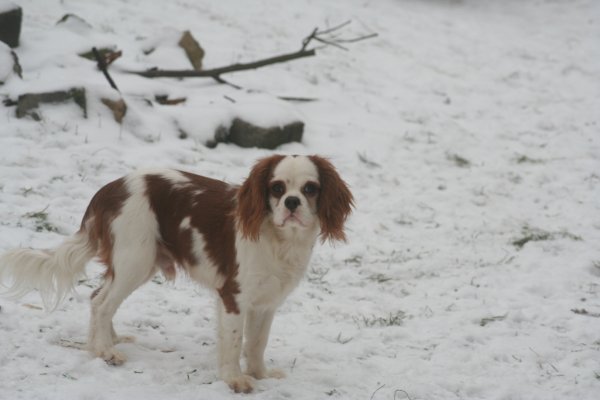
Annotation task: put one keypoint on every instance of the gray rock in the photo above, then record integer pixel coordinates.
(74, 22)
(27, 104)
(10, 25)
(245, 134)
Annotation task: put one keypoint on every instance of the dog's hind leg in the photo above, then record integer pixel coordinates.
(133, 263)
(131, 257)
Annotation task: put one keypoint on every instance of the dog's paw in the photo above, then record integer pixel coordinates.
(241, 384)
(113, 357)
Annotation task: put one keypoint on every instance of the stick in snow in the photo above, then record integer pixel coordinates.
(327, 37)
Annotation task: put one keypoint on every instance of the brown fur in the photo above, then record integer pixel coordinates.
(253, 197)
(147, 221)
(212, 207)
(335, 201)
(210, 204)
(104, 207)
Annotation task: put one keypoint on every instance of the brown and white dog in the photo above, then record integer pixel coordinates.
(251, 244)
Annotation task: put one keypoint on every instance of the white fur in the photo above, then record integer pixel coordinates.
(52, 272)
(207, 273)
(269, 269)
(135, 232)
(294, 172)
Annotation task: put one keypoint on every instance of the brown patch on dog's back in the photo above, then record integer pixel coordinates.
(171, 206)
(213, 216)
(209, 204)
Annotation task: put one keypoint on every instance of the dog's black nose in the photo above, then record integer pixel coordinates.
(291, 203)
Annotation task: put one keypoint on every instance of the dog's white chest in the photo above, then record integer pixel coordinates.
(268, 275)
(270, 290)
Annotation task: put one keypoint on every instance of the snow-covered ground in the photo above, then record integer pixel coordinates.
(464, 129)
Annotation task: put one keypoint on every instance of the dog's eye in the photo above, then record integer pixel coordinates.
(310, 189)
(278, 189)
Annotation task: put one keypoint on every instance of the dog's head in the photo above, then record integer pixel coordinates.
(294, 193)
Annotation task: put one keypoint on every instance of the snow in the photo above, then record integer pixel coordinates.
(477, 125)
(6, 6)
(6, 62)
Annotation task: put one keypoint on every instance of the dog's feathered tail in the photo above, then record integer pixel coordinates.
(52, 272)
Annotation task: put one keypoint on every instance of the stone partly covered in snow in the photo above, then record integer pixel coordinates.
(27, 104)
(11, 16)
(74, 23)
(245, 134)
(9, 64)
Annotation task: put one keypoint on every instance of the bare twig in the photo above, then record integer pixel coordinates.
(341, 340)
(363, 158)
(217, 72)
(298, 99)
(335, 28)
(327, 37)
(333, 43)
(357, 39)
(306, 41)
(238, 87)
(376, 390)
(223, 81)
(102, 66)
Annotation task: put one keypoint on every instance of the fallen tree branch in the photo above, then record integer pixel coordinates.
(216, 72)
(297, 99)
(238, 87)
(326, 37)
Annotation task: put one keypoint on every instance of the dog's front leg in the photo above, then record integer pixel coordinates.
(231, 327)
(258, 325)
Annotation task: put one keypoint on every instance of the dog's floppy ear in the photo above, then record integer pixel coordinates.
(253, 197)
(335, 201)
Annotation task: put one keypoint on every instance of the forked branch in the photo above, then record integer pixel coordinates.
(328, 37)
(216, 72)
